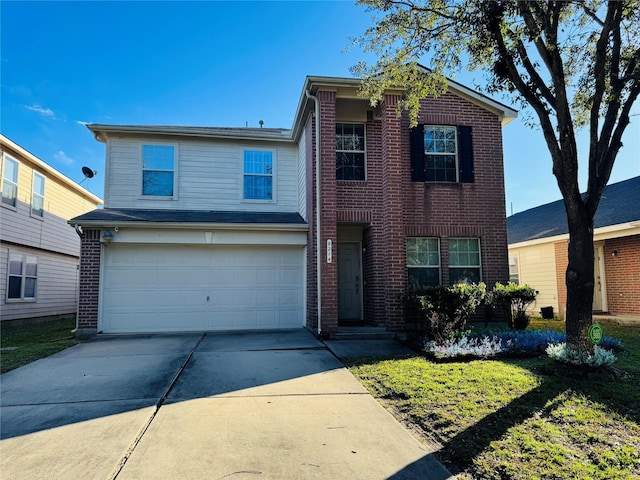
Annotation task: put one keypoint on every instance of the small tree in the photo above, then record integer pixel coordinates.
(448, 308)
(517, 298)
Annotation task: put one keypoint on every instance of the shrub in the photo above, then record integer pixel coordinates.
(447, 309)
(600, 358)
(517, 298)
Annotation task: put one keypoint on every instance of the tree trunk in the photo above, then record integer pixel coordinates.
(579, 281)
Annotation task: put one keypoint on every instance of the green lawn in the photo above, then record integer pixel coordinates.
(520, 419)
(25, 344)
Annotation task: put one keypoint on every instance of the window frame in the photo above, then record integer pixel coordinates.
(464, 266)
(174, 171)
(423, 266)
(428, 155)
(33, 211)
(514, 264)
(271, 175)
(363, 151)
(23, 276)
(7, 158)
(464, 154)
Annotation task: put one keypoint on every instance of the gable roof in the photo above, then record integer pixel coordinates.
(620, 204)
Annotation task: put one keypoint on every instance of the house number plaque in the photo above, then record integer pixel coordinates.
(329, 251)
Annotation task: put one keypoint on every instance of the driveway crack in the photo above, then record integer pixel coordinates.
(127, 454)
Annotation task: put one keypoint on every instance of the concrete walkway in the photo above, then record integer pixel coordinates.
(261, 405)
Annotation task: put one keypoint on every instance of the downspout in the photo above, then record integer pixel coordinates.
(318, 249)
(80, 233)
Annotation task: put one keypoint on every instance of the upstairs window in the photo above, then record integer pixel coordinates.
(258, 175)
(23, 277)
(158, 170)
(37, 199)
(442, 153)
(350, 151)
(464, 260)
(423, 263)
(10, 182)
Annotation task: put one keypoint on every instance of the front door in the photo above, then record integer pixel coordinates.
(349, 282)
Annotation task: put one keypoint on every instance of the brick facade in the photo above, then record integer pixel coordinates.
(622, 270)
(90, 249)
(389, 206)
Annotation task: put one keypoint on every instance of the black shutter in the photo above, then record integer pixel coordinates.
(465, 154)
(417, 154)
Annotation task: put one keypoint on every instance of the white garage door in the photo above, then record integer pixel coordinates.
(187, 288)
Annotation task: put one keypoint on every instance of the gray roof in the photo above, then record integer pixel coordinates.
(620, 204)
(126, 215)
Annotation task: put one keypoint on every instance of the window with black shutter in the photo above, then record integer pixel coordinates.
(441, 154)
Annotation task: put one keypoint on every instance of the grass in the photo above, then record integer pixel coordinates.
(520, 418)
(25, 344)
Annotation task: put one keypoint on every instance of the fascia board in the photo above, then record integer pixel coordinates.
(193, 226)
(602, 233)
(101, 132)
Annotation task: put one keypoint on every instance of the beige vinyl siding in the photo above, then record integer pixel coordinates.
(302, 176)
(56, 286)
(209, 176)
(59, 199)
(537, 268)
(49, 232)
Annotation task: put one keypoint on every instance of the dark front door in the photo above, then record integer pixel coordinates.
(349, 282)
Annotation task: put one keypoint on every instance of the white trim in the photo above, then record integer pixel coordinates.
(38, 194)
(5, 157)
(176, 156)
(601, 233)
(274, 161)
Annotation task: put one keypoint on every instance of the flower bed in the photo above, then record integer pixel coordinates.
(502, 343)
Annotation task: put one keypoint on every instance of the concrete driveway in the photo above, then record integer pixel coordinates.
(260, 405)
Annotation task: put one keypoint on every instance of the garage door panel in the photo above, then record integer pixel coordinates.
(179, 288)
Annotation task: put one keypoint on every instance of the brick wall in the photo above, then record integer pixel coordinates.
(392, 207)
(328, 218)
(89, 281)
(622, 272)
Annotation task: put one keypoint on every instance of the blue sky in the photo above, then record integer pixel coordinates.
(202, 63)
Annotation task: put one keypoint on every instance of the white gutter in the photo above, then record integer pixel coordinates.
(318, 249)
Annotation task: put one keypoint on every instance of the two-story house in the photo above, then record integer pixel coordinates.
(329, 222)
(39, 251)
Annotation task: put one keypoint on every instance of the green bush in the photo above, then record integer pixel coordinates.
(447, 309)
(517, 298)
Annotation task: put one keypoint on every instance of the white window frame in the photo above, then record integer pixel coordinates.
(479, 266)
(272, 175)
(414, 265)
(363, 151)
(428, 154)
(37, 195)
(174, 171)
(514, 268)
(25, 259)
(7, 158)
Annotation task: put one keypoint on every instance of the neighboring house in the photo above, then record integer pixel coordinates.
(39, 251)
(538, 251)
(218, 228)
